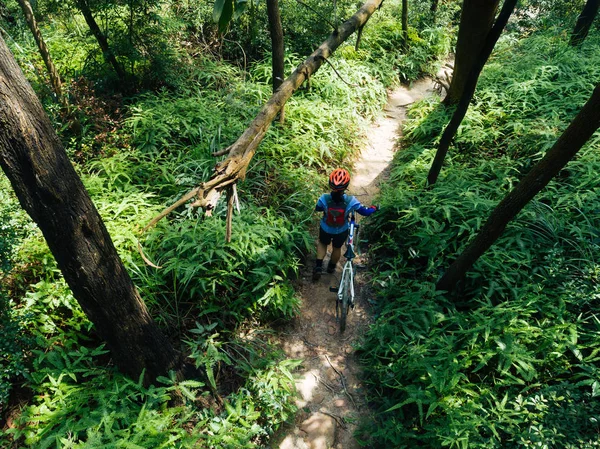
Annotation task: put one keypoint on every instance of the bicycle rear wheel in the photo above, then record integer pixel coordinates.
(344, 303)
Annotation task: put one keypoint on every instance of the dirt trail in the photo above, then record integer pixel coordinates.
(331, 400)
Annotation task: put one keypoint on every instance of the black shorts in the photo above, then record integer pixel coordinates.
(338, 239)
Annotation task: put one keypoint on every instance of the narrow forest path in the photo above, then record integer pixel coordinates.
(331, 400)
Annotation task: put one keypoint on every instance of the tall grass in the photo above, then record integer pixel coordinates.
(510, 360)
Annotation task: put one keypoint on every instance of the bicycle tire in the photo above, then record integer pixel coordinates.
(345, 303)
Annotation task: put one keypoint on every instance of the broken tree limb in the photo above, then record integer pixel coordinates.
(233, 168)
(230, 201)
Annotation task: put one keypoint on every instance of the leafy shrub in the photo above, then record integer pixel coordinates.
(14, 345)
(427, 46)
(509, 360)
(9, 225)
(248, 275)
(83, 405)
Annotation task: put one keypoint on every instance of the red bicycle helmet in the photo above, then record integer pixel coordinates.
(339, 179)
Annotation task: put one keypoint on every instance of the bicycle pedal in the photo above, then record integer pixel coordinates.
(333, 289)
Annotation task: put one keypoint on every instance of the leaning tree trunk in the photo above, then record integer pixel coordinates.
(570, 142)
(584, 22)
(45, 54)
(49, 189)
(476, 20)
(102, 41)
(277, 51)
(469, 90)
(234, 167)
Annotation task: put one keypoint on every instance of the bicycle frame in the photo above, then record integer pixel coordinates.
(348, 266)
(345, 290)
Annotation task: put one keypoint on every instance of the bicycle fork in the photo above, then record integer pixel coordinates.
(347, 276)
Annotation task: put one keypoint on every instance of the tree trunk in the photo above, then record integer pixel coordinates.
(584, 22)
(241, 152)
(102, 41)
(358, 38)
(476, 20)
(405, 25)
(48, 188)
(35, 30)
(569, 143)
(277, 50)
(469, 90)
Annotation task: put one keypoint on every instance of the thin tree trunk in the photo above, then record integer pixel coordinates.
(584, 22)
(37, 35)
(277, 50)
(469, 90)
(234, 167)
(476, 20)
(49, 189)
(358, 38)
(405, 25)
(102, 41)
(566, 147)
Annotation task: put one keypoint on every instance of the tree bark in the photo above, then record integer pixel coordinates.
(234, 167)
(476, 20)
(405, 25)
(102, 41)
(358, 38)
(584, 22)
(566, 147)
(469, 90)
(49, 189)
(277, 50)
(45, 54)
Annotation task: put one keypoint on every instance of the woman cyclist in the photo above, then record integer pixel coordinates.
(336, 207)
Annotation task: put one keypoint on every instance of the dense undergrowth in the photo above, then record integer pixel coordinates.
(512, 358)
(58, 387)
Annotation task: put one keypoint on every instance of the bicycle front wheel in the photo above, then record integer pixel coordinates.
(345, 302)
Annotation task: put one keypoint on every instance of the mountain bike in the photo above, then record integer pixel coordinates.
(345, 290)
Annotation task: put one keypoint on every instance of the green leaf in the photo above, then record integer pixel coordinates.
(218, 9)
(240, 8)
(226, 15)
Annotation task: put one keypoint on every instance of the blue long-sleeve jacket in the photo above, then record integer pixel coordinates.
(352, 204)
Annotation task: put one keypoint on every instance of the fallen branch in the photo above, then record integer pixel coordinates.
(340, 420)
(230, 202)
(233, 168)
(339, 74)
(342, 380)
(325, 384)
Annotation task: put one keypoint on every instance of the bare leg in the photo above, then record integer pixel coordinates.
(321, 250)
(335, 256)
